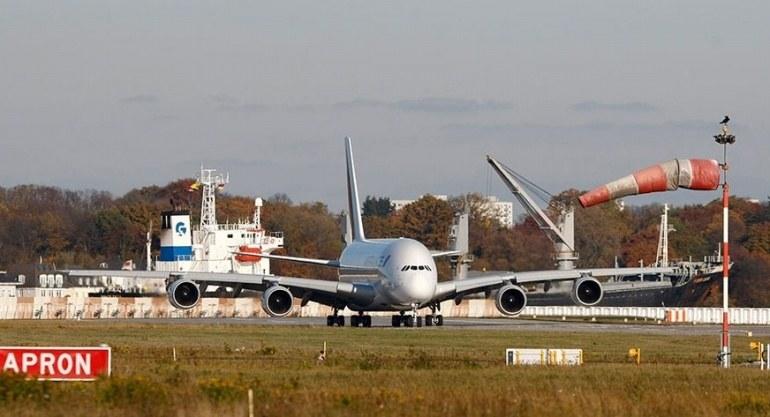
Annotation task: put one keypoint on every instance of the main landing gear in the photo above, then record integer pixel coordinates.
(335, 320)
(363, 320)
(414, 320)
(434, 319)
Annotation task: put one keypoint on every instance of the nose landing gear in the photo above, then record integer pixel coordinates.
(402, 319)
(414, 320)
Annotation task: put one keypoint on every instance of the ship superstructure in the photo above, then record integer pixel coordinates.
(210, 246)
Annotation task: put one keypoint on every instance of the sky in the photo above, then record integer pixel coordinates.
(113, 95)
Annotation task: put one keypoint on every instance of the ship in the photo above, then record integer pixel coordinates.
(208, 246)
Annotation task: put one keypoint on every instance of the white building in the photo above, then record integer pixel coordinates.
(501, 210)
(399, 204)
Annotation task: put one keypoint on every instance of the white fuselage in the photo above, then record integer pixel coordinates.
(402, 272)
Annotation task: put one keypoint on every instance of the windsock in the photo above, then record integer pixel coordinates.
(693, 174)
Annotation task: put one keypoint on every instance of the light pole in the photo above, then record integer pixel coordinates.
(724, 138)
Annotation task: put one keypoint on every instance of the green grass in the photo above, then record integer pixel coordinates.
(380, 372)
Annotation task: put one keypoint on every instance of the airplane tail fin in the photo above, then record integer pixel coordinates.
(354, 204)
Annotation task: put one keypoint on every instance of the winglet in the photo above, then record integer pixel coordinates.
(354, 204)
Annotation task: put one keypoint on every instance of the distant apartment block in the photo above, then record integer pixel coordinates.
(501, 210)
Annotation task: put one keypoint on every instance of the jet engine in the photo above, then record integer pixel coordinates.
(277, 301)
(510, 300)
(183, 294)
(586, 291)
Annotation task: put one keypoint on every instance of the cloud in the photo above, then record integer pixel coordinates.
(140, 99)
(629, 107)
(361, 103)
(429, 105)
(601, 129)
(229, 104)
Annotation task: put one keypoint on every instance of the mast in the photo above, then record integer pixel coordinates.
(661, 259)
(211, 180)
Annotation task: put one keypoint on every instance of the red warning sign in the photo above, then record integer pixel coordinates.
(57, 363)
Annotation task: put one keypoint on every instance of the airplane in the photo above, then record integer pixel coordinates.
(397, 275)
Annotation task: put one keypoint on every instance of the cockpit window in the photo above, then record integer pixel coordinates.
(416, 268)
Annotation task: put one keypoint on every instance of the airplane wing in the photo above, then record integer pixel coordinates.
(439, 254)
(312, 261)
(452, 289)
(323, 291)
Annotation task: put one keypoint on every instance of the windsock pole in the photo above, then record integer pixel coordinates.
(725, 352)
(724, 139)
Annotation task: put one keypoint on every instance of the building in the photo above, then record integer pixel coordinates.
(501, 210)
(399, 204)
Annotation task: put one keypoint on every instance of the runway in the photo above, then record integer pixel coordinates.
(491, 324)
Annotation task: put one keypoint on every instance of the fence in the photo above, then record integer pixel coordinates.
(158, 307)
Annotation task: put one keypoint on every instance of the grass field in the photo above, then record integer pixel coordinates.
(380, 372)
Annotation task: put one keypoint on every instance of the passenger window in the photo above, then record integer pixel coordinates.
(405, 267)
(414, 268)
(428, 268)
(422, 268)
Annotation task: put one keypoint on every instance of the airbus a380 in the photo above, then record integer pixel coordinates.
(397, 275)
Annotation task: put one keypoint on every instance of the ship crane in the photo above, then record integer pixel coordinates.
(561, 232)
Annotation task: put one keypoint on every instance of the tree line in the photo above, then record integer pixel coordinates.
(69, 228)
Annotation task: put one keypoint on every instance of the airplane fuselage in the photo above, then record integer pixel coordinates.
(402, 272)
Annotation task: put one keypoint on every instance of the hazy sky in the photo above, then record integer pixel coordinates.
(115, 95)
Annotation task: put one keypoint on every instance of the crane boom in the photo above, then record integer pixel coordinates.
(563, 235)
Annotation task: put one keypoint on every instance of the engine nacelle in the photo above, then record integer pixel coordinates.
(277, 301)
(586, 291)
(511, 299)
(183, 294)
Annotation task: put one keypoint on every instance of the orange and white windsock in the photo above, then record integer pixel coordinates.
(693, 174)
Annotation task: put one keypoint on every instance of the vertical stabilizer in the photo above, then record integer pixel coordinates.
(354, 204)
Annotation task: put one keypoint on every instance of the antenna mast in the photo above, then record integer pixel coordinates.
(211, 181)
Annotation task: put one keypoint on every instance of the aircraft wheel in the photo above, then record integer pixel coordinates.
(410, 321)
(439, 320)
(330, 321)
(419, 321)
(395, 321)
(341, 321)
(367, 321)
(428, 320)
(354, 321)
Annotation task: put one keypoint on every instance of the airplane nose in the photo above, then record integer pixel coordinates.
(419, 288)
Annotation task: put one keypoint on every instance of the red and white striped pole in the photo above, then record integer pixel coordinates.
(725, 352)
(724, 139)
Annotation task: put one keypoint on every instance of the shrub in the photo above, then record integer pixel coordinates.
(16, 387)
